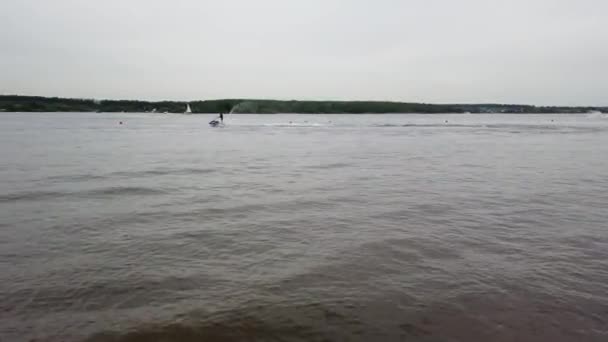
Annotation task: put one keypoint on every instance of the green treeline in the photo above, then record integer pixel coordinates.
(16, 103)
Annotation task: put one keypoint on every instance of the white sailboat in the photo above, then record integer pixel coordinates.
(188, 109)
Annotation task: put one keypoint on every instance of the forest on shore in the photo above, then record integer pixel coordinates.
(17, 103)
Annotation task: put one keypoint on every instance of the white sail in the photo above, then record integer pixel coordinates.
(188, 110)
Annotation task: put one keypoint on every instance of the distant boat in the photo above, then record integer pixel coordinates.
(188, 109)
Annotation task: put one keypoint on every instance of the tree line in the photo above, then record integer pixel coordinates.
(17, 103)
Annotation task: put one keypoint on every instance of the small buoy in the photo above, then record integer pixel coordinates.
(120, 122)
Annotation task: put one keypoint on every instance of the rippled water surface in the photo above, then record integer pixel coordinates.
(303, 228)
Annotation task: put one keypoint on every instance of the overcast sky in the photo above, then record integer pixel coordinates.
(444, 51)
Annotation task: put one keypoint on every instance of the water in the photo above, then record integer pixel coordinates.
(303, 228)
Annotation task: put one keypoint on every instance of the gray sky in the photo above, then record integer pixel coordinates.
(509, 51)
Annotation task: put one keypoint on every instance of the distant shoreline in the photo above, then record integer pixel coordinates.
(18, 103)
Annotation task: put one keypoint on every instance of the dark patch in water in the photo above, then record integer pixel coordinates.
(482, 317)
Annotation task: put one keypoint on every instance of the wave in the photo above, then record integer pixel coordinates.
(247, 324)
(244, 211)
(505, 127)
(491, 126)
(126, 292)
(542, 126)
(329, 166)
(100, 192)
(75, 178)
(162, 172)
(121, 191)
(295, 125)
(426, 125)
(597, 115)
(30, 196)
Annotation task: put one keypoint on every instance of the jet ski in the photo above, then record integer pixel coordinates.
(219, 121)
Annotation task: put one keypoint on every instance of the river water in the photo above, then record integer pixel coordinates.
(303, 227)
